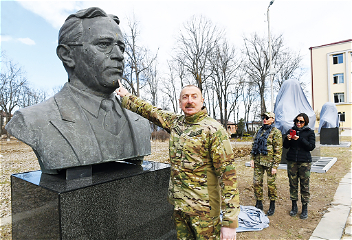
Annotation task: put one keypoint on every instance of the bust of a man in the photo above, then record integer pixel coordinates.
(84, 123)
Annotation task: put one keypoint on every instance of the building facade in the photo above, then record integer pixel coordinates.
(331, 66)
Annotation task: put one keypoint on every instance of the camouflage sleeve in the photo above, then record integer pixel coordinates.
(277, 147)
(223, 161)
(286, 142)
(159, 117)
(252, 157)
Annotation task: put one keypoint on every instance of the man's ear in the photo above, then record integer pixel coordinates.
(64, 53)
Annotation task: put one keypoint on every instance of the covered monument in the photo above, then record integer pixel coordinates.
(329, 124)
(329, 117)
(290, 102)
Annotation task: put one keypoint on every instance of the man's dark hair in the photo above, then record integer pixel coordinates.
(305, 117)
(72, 29)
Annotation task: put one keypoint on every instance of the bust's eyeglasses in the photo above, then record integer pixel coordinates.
(299, 121)
(105, 47)
(265, 117)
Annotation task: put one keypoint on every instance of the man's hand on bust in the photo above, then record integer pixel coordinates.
(121, 91)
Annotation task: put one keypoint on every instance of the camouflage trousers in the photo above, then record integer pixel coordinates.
(196, 227)
(297, 171)
(258, 177)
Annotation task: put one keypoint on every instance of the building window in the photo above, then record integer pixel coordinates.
(341, 116)
(339, 97)
(338, 58)
(338, 78)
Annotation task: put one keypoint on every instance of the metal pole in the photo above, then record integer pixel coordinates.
(270, 66)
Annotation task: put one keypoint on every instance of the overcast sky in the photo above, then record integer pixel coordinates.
(29, 29)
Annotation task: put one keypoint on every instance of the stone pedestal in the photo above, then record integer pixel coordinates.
(329, 136)
(119, 201)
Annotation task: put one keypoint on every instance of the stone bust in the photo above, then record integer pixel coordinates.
(84, 123)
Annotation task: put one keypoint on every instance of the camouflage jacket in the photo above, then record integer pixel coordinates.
(203, 176)
(274, 147)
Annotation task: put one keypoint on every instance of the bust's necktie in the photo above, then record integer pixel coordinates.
(111, 117)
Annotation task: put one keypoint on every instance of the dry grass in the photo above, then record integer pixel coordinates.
(17, 157)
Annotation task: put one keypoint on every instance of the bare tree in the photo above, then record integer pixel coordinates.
(257, 63)
(12, 83)
(234, 103)
(289, 67)
(136, 61)
(194, 46)
(152, 81)
(30, 96)
(248, 98)
(224, 66)
(211, 103)
(164, 103)
(256, 66)
(14, 90)
(170, 87)
(256, 111)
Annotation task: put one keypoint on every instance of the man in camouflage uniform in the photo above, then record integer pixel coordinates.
(203, 176)
(266, 156)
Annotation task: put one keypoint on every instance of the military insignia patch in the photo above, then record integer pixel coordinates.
(193, 134)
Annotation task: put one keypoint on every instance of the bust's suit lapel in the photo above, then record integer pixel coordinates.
(75, 128)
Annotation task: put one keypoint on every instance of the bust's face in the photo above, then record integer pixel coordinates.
(99, 62)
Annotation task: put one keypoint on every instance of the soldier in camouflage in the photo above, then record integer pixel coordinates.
(266, 156)
(203, 177)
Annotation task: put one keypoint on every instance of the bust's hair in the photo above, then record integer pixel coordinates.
(72, 29)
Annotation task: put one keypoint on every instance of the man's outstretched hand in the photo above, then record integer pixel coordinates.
(121, 91)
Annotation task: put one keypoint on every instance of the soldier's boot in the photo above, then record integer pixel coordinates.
(294, 209)
(271, 208)
(259, 204)
(304, 214)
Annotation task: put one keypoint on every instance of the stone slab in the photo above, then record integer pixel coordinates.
(319, 164)
(331, 226)
(119, 201)
(342, 144)
(335, 220)
(343, 192)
